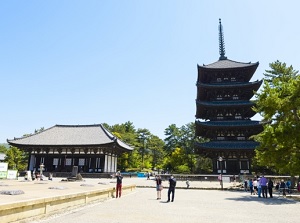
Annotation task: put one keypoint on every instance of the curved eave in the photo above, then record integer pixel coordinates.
(204, 89)
(254, 85)
(228, 64)
(112, 145)
(206, 69)
(235, 123)
(224, 103)
(227, 145)
(22, 145)
(203, 127)
(123, 146)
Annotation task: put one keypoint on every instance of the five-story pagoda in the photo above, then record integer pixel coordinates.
(224, 112)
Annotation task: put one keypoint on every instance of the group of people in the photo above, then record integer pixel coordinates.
(171, 189)
(159, 186)
(261, 186)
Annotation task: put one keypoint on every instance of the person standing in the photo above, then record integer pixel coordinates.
(246, 185)
(119, 184)
(159, 187)
(282, 187)
(172, 185)
(258, 188)
(263, 183)
(255, 186)
(270, 187)
(288, 186)
(251, 186)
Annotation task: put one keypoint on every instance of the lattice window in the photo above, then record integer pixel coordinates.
(81, 162)
(55, 161)
(235, 97)
(68, 162)
(219, 97)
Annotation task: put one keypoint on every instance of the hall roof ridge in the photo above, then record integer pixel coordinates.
(71, 135)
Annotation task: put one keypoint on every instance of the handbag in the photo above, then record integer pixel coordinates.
(161, 187)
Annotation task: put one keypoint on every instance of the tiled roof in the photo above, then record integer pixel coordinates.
(228, 145)
(221, 64)
(70, 135)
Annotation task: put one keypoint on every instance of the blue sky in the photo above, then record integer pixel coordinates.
(90, 62)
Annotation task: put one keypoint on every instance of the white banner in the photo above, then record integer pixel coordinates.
(3, 166)
(12, 174)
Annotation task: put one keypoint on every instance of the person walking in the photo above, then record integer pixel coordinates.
(270, 188)
(172, 185)
(159, 186)
(119, 184)
(264, 189)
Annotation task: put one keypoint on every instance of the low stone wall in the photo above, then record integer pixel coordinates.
(41, 207)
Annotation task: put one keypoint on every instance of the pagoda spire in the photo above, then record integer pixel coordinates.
(221, 42)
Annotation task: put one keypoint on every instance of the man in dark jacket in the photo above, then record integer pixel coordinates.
(172, 185)
(270, 187)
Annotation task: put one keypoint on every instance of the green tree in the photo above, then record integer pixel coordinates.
(3, 149)
(172, 133)
(16, 159)
(177, 161)
(127, 133)
(184, 138)
(155, 147)
(143, 138)
(279, 105)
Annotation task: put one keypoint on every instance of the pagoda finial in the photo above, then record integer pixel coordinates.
(221, 42)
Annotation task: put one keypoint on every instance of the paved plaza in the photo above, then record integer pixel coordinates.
(190, 205)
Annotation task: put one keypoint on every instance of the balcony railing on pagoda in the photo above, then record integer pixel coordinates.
(230, 138)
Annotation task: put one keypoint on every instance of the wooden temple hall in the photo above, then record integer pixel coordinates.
(224, 112)
(92, 148)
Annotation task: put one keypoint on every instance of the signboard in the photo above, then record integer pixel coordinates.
(3, 174)
(12, 174)
(226, 179)
(3, 166)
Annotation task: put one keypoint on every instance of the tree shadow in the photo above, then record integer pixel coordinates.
(276, 200)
